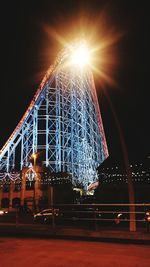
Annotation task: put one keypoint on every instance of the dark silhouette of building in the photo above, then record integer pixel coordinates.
(113, 183)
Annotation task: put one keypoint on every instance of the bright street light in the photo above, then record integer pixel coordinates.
(34, 157)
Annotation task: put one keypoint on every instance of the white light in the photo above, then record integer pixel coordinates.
(81, 55)
(1, 212)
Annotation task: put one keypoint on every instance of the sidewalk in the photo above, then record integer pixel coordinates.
(9, 229)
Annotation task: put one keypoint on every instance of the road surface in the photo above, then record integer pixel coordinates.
(38, 252)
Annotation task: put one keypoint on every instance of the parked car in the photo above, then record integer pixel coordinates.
(3, 212)
(147, 216)
(121, 218)
(45, 216)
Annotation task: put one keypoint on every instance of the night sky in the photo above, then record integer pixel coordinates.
(28, 49)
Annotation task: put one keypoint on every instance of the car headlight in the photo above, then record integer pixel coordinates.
(1, 212)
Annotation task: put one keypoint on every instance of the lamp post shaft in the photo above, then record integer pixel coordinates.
(34, 191)
(131, 194)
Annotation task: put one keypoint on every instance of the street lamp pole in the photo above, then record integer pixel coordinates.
(131, 194)
(34, 156)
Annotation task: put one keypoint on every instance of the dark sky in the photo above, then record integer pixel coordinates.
(27, 50)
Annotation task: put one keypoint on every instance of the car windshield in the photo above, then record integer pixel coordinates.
(46, 211)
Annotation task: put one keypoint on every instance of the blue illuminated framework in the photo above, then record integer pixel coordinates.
(63, 121)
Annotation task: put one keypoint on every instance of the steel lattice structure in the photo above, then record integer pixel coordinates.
(64, 122)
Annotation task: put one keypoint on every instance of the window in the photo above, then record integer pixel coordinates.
(17, 187)
(6, 188)
(5, 203)
(29, 185)
(15, 202)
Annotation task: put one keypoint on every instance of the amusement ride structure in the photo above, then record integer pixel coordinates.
(63, 121)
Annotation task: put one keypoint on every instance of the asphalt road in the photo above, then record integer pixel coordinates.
(26, 252)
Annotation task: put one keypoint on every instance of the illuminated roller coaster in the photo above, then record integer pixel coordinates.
(63, 121)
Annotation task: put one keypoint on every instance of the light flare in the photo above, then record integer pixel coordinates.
(80, 56)
(99, 53)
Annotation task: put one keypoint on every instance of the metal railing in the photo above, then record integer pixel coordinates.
(113, 216)
(86, 216)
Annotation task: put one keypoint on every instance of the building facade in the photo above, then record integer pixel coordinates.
(35, 189)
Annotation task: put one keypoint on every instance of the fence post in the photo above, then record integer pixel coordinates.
(17, 217)
(52, 205)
